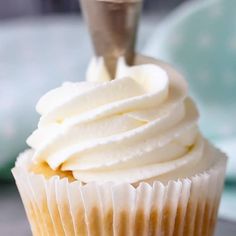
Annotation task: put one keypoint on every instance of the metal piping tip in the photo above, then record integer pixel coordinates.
(113, 27)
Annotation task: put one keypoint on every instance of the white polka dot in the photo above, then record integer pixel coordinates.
(232, 43)
(205, 40)
(216, 11)
(204, 77)
(9, 131)
(7, 104)
(229, 78)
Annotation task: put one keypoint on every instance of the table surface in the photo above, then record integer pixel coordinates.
(13, 219)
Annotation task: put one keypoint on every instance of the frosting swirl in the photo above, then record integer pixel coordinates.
(140, 126)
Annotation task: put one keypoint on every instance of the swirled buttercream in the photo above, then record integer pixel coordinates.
(138, 127)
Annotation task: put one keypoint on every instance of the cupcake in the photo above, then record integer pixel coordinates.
(120, 157)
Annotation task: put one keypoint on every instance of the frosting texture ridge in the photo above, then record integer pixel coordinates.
(140, 126)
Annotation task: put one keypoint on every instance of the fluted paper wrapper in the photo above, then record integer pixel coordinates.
(183, 207)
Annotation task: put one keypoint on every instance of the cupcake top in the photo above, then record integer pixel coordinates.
(141, 126)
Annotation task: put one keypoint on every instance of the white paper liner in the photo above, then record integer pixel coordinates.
(183, 207)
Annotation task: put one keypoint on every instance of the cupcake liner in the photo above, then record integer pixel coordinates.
(56, 206)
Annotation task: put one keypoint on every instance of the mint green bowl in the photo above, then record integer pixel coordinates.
(199, 38)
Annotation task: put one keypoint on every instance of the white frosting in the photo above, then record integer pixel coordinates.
(138, 127)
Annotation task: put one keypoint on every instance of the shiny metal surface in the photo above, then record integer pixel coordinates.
(113, 27)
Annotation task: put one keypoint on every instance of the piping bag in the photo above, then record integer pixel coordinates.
(113, 28)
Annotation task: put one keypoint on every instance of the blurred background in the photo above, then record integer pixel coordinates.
(45, 42)
(12, 8)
